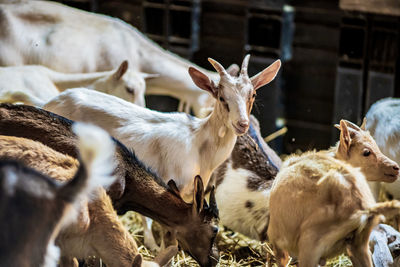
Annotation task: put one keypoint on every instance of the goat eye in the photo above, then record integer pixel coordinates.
(254, 95)
(366, 153)
(221, 99)
(129, 90)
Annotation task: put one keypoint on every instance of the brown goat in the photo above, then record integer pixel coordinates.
(194, 225)
(33, 207)
(98, 232)
(321, 205)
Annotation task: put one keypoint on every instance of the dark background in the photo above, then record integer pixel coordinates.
(336, 62)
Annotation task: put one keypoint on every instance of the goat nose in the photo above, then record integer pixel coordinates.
(243, 124)
(396, 167)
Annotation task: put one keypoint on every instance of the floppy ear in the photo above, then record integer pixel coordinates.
(202, 81)
(266, 76)
(121, 70)
(346, 135)
(198, 195)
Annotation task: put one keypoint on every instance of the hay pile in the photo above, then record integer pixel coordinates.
(236, 249)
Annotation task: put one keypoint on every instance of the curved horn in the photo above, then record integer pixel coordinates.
(218, 67)
(213, 203)
(364, 123)
(245, 63)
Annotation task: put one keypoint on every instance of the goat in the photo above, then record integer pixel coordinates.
(160, 139)
(35, 208)
(96, 43)
(193, 225)
(332, 207)
(98, 231)
(383, 122)
(251, 169)
(35, 85)
(248, 175)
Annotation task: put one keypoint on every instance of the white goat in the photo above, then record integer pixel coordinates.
(162, 140)
(383, 122)
(36, 85)
(33, 32)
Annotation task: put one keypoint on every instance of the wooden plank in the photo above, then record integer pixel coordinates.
(386, 7)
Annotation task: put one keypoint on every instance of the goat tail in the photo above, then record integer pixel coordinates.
(96, 162)
(388, 208)
(15, 97)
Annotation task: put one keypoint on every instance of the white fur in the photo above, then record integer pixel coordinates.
(52, 255)
(97, 152)
(37, 84)
(139, 128)
(383, 122)
(232, 195)
(95, 43)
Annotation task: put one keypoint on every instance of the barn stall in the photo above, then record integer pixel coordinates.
(338, 58)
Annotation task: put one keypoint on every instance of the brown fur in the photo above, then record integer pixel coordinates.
(98, 232)
(328, 207)
(135, 183)
(51, 163)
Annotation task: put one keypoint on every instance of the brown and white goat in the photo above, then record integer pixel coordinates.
(193, 224)
(34, 208)
(248, 175)
(321, 205)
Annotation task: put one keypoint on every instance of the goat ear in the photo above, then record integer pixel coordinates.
(233, 70)
(352, 125)
(121, 70)
(202, 81)
(198, 195)
(266, 76)
(173, 188)
(137, 261)
(213, 204)
(345, 139)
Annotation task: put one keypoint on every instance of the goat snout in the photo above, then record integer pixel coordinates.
(243, 124)
(241, 127)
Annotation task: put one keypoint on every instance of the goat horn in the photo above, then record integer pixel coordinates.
(213, 203)
(218, 67)
(245, 63)
(364, 123)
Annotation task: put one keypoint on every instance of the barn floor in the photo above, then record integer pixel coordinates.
(237, 250)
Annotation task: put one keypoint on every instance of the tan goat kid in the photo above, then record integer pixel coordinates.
(98, 231)
(321, 204)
